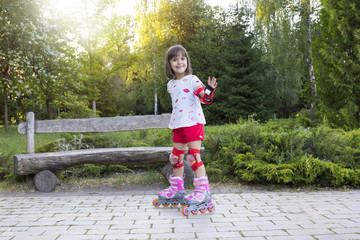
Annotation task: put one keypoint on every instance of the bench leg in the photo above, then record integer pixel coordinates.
(45, 181)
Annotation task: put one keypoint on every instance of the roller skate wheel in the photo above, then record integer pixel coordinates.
(175, 204)
(165, 204)
(203, 210)
(211, 208)
(185, 211)
(156, 202)
(194, 212)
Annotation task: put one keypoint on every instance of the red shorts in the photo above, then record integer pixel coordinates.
(188, 134)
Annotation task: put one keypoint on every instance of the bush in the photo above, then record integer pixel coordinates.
(214, 175)
(90, 171)
(163, 138)
(305, 172)
(5, 165)
(284, 152)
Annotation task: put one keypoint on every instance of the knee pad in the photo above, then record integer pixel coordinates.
(191, 159)
(175, 158)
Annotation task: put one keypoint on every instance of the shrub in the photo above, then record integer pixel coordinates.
(163, 138)
(214, 175)
(5, 165)
(306, 171)
(89, 170)
(284, 152)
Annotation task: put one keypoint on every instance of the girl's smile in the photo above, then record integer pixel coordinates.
(179, 65)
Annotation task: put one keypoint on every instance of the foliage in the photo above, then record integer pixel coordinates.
(214, 175)
(163, 138)
(4, 165)
(101, 63)
(337, 63)
(284, 152)
(307, 171)
(19, 23)
(224, 47)
(284, 30)
(277, 152)
(71, 142)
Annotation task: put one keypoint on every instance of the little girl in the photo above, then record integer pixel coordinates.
(187, 123)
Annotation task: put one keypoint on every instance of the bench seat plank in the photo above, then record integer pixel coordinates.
(26, 164)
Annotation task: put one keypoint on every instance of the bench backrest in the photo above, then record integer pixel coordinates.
(94, 125)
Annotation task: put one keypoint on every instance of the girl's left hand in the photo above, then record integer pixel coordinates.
(212, 82)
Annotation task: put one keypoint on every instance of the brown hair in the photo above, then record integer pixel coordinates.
(173, 52)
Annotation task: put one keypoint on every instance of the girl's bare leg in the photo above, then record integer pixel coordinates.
(200, 172)
(179, 172)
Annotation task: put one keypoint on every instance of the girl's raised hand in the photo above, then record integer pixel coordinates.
(212, 82)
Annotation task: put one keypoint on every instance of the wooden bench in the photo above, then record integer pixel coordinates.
(43, 163)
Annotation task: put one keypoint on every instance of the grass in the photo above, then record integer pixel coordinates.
(116, 181)
(12, 143)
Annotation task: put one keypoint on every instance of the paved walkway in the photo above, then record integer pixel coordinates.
(130, 215)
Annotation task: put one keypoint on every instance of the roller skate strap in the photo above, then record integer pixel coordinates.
(199, 183)
(172, 182)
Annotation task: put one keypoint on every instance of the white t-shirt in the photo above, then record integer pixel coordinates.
(186, 105)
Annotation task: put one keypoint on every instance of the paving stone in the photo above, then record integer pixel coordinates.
(258, 215)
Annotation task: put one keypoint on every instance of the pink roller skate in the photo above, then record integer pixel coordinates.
(200, 199)
(173, 195)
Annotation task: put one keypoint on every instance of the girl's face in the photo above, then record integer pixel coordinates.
(179, 65)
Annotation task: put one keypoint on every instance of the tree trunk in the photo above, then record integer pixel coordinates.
(310, 61)
(49, 109)
(94, 106)
(6, 114)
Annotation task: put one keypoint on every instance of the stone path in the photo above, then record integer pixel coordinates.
(130, 215)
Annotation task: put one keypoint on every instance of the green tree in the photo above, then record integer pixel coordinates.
(91, 27)
(19, 21)
(184, 18)
(161, 24)
(117, 57)
(337, 62)
(51, 58)
(286, 29)
(245, 82)
(146, 78)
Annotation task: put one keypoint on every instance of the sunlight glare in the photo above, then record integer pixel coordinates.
(122, 7)
(66, 5)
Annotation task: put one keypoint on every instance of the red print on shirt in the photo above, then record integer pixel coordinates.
(176, 100)
(186, 90)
